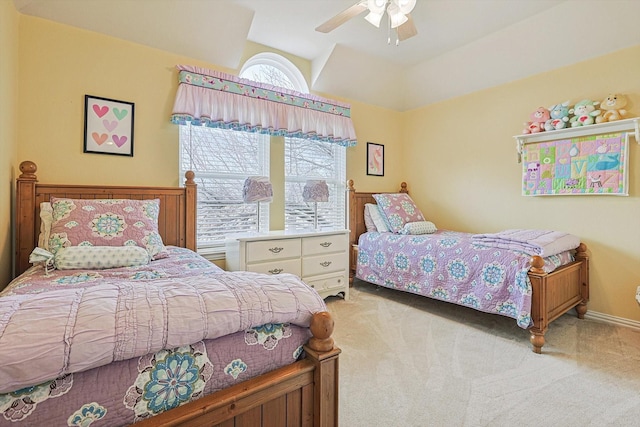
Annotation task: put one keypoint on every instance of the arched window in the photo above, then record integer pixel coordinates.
(275, 70)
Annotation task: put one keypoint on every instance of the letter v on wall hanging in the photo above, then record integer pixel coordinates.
(108, 126)
(595, 164)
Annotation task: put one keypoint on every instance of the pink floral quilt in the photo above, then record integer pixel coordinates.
(157, 319)
(451, 266)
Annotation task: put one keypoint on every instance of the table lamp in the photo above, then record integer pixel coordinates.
(257, 189)
(315, 190)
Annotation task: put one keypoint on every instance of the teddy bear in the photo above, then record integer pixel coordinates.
(538, 119)
(559, 116)
(613, 107)
(584, 113)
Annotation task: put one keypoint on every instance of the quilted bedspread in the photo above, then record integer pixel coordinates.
(450, 266)
(74, 320)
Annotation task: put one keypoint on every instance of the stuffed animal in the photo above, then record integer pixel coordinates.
(583, 113)
(559, 116)
(538, 118)
(613, 107)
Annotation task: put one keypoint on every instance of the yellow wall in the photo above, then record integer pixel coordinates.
(9, 19)
(460, 163)
(439, 150)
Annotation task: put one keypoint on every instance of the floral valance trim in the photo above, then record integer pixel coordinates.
(183, 119)
(254, 90)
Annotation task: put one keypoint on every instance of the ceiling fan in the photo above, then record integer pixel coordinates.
(398, 12)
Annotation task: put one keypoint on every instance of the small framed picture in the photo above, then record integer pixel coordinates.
(375, 159)
(108, 126)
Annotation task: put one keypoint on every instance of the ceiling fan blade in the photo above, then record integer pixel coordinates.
(407, 30)
(342, 17)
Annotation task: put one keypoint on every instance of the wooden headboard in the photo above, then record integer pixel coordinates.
(357, 201)
(176, 221)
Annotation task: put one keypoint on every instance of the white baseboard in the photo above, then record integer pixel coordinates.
(607, 318)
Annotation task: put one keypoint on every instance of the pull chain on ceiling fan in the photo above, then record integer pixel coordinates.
(398, 12)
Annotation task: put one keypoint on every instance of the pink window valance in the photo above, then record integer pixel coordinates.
(215, 99)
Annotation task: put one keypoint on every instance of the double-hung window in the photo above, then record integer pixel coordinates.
(222, 159)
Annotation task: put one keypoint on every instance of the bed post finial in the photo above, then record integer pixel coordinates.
(28, 169)
(189, 175)
(403, 187)
(321, 327)
(350, 186)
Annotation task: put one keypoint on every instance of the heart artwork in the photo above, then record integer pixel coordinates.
(120, 114)
(110, 126)
(100, 111)
(119, 140)
(99, 139)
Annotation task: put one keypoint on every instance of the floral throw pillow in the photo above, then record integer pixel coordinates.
(398, 209)
(106, 222)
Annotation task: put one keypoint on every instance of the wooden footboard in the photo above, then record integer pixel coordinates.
(556, 293)
(553, 294)
(302, 394)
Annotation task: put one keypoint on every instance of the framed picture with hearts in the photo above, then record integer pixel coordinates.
(108, 126)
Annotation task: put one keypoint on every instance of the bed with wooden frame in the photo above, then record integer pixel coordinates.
(304, 393)
(553, 294)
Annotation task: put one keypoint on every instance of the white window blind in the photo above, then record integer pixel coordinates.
(222, 159)
(304, 160)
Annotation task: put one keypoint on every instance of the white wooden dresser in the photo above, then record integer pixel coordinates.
(320, 258)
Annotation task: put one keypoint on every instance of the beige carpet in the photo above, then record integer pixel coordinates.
(413, 361)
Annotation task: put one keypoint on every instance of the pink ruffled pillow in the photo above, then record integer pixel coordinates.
(398, 210)
(106, 222)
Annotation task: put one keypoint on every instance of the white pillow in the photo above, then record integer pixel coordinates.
(376, 217)
(46, 219)
(100, 257)
(419, 227)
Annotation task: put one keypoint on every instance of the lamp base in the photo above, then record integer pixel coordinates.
(315, 216)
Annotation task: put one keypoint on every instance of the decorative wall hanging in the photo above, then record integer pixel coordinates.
(591, 164)
(108, 126)
(375, 159)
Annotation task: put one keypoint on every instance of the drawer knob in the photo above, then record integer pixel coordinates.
(276, 271)
(275, 250)
(325, 263)
(325, 244)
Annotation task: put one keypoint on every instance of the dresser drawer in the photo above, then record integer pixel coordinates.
(272, 250)
(324, 244)
(276, 267)
(321, 264)
(331, 282)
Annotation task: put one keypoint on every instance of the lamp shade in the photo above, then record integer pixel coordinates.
(257, 189)
(315, 191)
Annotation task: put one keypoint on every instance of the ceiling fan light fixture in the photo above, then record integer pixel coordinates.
(374, 18)
(396, 17)
(405, 6)
(376, 6)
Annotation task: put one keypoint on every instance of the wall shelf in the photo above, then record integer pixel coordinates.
(626, 125)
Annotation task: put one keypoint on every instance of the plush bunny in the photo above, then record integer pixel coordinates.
(584, 113)
(538, 118)
(559, 116)
(613, 107)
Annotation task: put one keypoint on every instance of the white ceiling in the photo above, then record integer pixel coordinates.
(462, 45)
